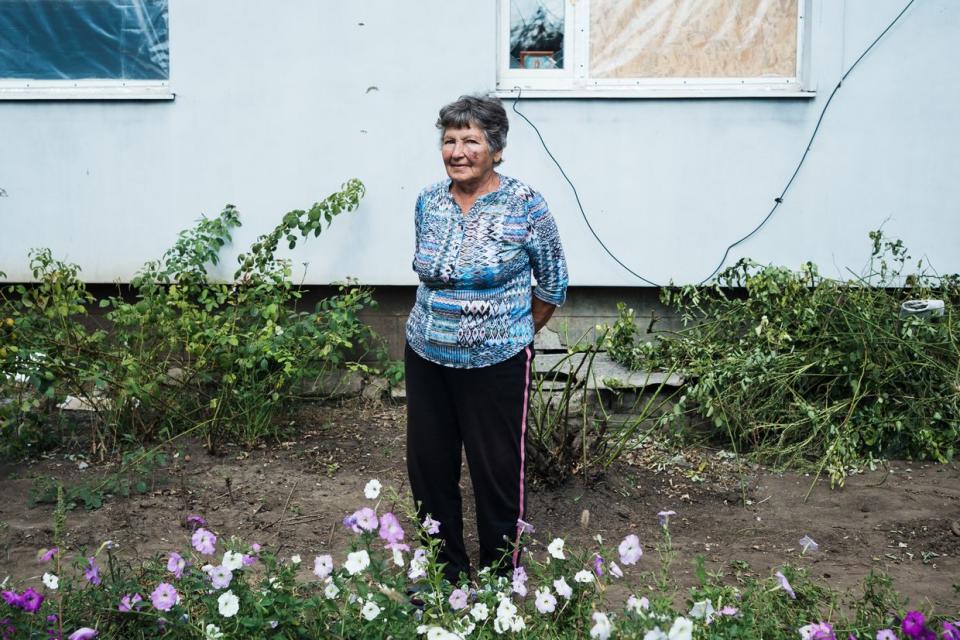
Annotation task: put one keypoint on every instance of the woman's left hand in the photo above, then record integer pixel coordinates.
(541, 312)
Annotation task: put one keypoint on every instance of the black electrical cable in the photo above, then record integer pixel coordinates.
(577, 195)
(777, 201)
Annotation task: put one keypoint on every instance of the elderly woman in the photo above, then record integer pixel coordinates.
(479, 237)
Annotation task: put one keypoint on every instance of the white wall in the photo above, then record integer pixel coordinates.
(274, 109)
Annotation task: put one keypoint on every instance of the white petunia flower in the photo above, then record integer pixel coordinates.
(655, 634)
(232, 560)
(212, 632)
(583, 576)
(480, 612)
(50, 581)
(370, 610)
(637, 605)
(702, 610)
(296, 559)
(601, 628)
(357, 561)
(331, 590)
(555, 549)
(228, 604)
(682, 629)
(322, 566)
(563, 589)
(372, 490)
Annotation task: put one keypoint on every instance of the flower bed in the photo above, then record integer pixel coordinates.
(224, 588)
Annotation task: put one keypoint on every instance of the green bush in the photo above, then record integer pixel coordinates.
(792, 365)
(188, 354)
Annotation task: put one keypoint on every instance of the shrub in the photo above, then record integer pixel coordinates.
(189, 354)
(790, 364)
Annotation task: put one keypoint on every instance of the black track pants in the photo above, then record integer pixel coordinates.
(483, 411)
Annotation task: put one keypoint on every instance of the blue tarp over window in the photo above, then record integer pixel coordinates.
(84, 39)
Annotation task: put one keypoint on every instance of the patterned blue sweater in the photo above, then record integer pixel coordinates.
(473, 302)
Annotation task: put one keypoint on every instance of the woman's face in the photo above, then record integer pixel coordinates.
(466, 154)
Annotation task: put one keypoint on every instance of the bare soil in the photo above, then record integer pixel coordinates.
(901, 519)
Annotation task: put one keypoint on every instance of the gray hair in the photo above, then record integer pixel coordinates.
(487, 113)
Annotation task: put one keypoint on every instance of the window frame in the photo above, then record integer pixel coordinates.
(12, 89)
(574, 81)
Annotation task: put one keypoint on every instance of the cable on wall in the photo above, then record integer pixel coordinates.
(777, 201)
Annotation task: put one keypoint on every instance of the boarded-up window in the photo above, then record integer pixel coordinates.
(663, 47)
(693, 38)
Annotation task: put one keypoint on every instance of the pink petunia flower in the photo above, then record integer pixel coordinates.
(204, 541)
(520, 581)
(92, 572)
(128, 602)
(785, 585)
(220, 577)
(390, 529)
(365, 519)
(176, 564)
(431, 526)
(458, 599)
(164, 597)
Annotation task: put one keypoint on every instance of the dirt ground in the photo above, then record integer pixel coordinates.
(903, 519)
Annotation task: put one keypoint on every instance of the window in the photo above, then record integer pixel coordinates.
(652, 48)
(62, 49)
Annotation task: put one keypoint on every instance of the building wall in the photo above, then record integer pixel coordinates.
(277, 103)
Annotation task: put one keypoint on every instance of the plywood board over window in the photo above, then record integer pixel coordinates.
(693, 38)
(654, 48)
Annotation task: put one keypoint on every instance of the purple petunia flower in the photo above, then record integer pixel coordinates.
(30, 600)
(390, 529)
(818, 631)
(128, 602)
(12, 598)
(83, 633)
(92, 572)
(204, 541)
(525, 527)
(598, 564)
(195, 522)
(913, 624)
(48, 554)
(164, 597)
(785, 585)
(664, 517)
(458, 599)
(176, 564)
(951, 630)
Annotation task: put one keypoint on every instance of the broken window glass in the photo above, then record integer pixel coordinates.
(84, 39)
(536, 34)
